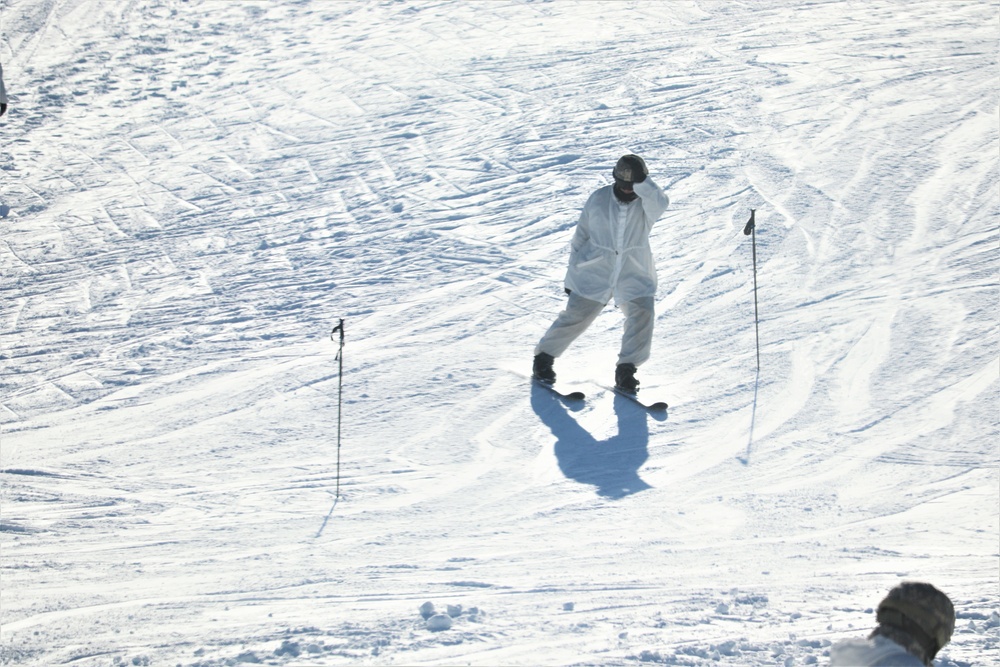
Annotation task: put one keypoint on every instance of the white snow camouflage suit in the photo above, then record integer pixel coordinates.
(610, 257)
(610, 253)
(874, 652)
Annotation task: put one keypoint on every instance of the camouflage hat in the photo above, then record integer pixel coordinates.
(920, 610)
(630, 169)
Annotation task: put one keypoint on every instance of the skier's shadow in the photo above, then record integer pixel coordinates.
(611, 465)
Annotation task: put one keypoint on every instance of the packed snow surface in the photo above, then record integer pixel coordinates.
(193, 194)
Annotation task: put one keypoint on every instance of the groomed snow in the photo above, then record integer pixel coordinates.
(192, 194)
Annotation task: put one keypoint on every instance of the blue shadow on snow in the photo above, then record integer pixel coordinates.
(611, 465)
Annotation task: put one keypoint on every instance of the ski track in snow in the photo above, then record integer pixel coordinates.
(192, 193)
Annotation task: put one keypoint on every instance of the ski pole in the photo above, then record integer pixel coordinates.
(340, 393)
(751, 231)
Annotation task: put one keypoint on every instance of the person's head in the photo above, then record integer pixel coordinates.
(918, 617)
(628, 170)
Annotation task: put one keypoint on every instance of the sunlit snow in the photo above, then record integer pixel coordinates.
(192, 194)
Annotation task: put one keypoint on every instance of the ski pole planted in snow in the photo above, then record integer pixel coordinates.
(340, 392)
(340, 402)
(751, 231)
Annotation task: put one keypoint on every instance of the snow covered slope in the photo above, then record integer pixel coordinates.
(192, 194)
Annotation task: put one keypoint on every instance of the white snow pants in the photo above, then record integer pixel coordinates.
(580, 313)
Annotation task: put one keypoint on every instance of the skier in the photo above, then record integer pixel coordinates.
(915, 620)
(3, 94)
(610, 256)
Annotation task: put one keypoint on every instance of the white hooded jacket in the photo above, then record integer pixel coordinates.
(610, 253)
(875, 652)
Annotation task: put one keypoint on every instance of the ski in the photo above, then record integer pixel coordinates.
(658, 406)
(569, 396)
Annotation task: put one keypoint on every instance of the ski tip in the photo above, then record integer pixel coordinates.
(567, 396)
(659, 406)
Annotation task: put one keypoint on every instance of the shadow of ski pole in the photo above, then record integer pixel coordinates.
(326, 519)
(745, 459)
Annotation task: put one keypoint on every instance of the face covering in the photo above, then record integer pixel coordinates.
(620, 191)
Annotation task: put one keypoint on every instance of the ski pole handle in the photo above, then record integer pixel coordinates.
(340, 328)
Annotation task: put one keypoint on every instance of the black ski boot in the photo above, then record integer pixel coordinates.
(625, 379)
(542, 368)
